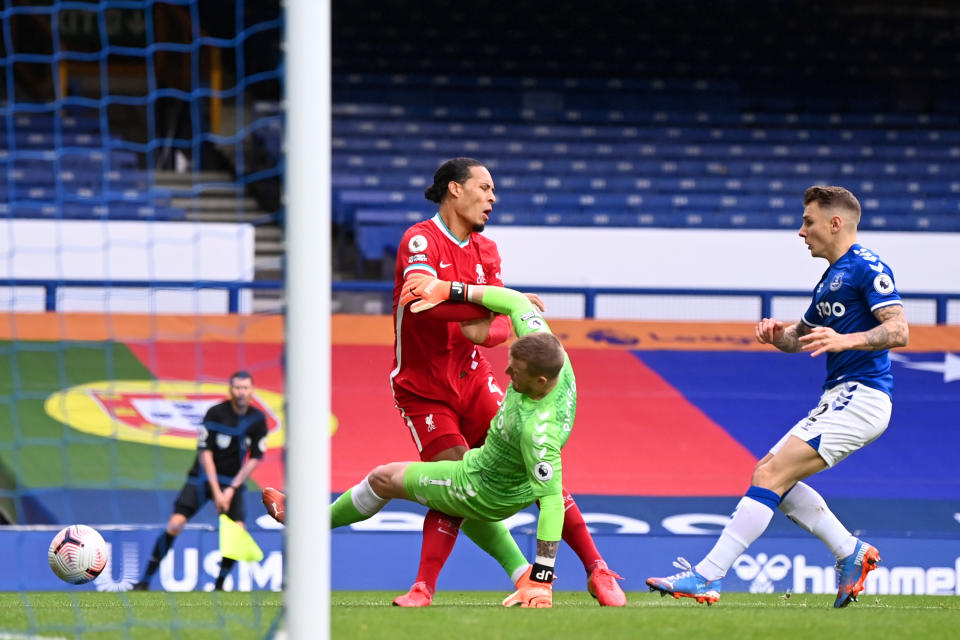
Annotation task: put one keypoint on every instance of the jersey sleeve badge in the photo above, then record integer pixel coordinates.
(883, 284)
(543, 471)
(417, 244)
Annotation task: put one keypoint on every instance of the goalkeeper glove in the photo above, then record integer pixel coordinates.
(531, 594)
(427, 291)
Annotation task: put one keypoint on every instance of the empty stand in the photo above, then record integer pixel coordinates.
(687, 114)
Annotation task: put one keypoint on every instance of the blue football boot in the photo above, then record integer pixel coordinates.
(687, 584)
(852, 572)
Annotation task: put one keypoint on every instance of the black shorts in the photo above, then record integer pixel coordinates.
(193, 496)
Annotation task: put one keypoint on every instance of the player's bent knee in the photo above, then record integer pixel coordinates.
(378, 480)
(387, 480)
(762, 477)
(775, 479)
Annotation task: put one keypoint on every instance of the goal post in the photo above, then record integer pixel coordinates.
(308, 85)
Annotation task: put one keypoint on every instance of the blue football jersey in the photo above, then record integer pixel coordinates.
(849, 292)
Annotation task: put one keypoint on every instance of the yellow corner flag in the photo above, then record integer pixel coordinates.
(236, 542)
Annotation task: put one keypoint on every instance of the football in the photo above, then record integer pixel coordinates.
(77, 554)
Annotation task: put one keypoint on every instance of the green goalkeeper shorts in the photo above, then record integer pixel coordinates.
(445, 486)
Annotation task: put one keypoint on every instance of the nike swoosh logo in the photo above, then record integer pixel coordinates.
(444, 266)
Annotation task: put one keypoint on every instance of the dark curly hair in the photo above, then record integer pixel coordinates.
(455, 170)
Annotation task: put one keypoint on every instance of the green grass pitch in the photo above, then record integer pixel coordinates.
(476, 615)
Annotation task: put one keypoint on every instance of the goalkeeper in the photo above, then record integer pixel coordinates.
(518, 463)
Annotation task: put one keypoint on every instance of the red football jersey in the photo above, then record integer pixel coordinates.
(431, 355)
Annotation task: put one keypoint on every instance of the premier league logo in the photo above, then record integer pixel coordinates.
(883, 284)
(417, 244)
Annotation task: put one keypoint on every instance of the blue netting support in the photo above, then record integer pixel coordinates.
(90, 96)
(116, 152)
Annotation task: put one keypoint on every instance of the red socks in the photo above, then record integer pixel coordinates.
(439, 535)
(576, 534)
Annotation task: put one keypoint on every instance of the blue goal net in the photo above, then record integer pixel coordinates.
(141, 264)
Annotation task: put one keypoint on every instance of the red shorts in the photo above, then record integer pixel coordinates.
(435, 425)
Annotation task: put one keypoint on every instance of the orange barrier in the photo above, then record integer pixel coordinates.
(624, 334)
(378, 330)
(131, 327)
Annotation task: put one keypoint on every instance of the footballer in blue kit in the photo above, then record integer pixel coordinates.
(855, 317)
(851, 290)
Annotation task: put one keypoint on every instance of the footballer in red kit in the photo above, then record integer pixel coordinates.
(444, 387)
(446, 400)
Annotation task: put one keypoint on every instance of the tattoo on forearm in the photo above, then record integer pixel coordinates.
(877, 338)
(789, 339)
(892, 332)
(547, 549)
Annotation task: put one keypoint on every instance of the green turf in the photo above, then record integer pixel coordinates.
(86, 615)
(478, 615)
(41, 452)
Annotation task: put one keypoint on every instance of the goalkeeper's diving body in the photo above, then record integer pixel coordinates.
(519, 462)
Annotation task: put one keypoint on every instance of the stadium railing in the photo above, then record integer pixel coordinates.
(766, 297)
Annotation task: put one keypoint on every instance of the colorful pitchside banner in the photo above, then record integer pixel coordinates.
(772, 565)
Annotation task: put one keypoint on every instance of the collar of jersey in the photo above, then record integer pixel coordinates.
(437, 220)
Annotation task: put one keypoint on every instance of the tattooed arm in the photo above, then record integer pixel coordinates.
(770, 331)
(891, 332)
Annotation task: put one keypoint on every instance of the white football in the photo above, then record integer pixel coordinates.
(77, 554)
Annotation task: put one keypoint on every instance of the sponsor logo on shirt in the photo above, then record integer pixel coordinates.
(420, 257)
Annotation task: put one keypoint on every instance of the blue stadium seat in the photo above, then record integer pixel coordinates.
(374, 240)
(390, 216)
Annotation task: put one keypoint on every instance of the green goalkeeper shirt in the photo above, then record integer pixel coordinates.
(519, 462)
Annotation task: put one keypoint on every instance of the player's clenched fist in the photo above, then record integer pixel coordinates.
(531, 594)
(428, 291)
(769, 330)
(275, 502)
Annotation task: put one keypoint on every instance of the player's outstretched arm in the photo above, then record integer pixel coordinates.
(426, 292)
(783, 337)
